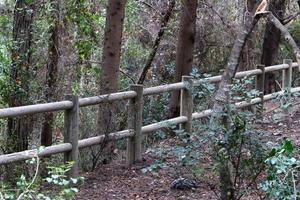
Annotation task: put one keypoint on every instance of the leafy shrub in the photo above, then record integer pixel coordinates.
(57, 180)
(282, 171)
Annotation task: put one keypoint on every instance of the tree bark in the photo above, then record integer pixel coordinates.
(68, 57)
(185, 49)
(110, 66)
(271, 43)
(19, 128)
(247, 61)
(52, 73)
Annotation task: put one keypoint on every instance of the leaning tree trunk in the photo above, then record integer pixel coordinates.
(222, 99)
(110, 67)
(185, 49)
(221, 106)
(271, 43)
(52, 73)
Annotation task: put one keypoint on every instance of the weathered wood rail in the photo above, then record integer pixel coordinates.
(133, 134)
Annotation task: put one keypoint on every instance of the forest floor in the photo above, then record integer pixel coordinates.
(115, 182)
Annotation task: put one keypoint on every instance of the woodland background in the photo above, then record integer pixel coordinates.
(52, 48)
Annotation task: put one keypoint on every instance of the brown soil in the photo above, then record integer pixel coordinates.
(116, 182)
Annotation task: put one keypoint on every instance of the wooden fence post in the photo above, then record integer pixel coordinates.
(186, 103)
(287, 85)
(135, 122)
(260, 86)
(71, 134)
(287, 75)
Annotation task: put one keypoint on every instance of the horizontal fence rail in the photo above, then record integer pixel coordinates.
(71, 107)
(89, 101)
(35, 109)
(61, 148)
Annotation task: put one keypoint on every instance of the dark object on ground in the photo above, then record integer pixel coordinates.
(183, 184)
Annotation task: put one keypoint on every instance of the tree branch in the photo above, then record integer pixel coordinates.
(287, 36)
(222, 96)
(160, 34)
(290, 18)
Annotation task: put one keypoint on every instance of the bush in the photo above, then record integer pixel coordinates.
(282, 172)
(57, 180)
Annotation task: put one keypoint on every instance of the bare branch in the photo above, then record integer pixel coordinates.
(290, 18)
(160, 34)
(287, 36)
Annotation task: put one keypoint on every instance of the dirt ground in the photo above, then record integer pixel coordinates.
(116, 182)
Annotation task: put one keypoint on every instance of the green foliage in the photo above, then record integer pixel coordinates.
(241, 89)
(187, 150)
(285, 49)
(66, 187)
(202, 92)
(154, 167)
(236, 143)
(294, 30)
(286, 100)
(5, 61)
(60, 186)
(282, 166)
(86, 20)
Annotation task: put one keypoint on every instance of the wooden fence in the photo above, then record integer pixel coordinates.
(135, 131)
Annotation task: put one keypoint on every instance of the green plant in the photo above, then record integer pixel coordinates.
(237, 151)
(282, 168)
(154, 167)
(64, 187)
(286, 100)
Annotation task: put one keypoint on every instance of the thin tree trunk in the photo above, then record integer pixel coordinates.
(110, 67)
(185, 49)
(271, 43)
(160, 34)
(52, 73)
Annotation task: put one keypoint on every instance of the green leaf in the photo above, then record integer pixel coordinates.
(288, 146)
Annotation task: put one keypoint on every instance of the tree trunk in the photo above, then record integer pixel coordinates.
(185, 49)
(19, 128)
(247, 61)
(221, 106)
(271, 43)
(110, 66)
(52, 73)
(68, 57)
